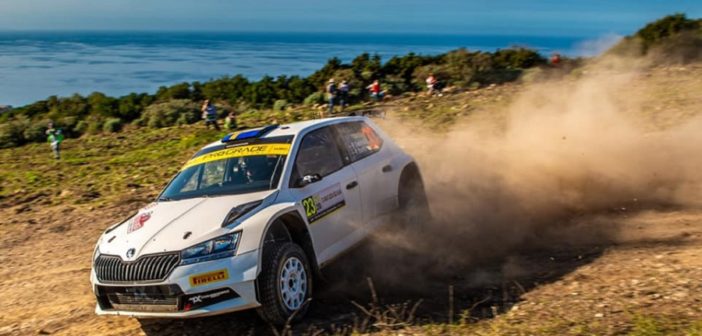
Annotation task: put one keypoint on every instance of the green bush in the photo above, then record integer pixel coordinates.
(280, 105)
(112, 125)
(315, 98)
(187, 117)
(81, 127)
(68, 125)
(35, 131)
(94, 125)
(171, 113)
(668, 26)
(517, 58)
(10, 135)
(674, 38)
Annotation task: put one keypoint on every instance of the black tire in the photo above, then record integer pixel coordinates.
(274, 309)
(413, 202)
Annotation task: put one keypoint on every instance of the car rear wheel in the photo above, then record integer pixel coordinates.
(285, 283)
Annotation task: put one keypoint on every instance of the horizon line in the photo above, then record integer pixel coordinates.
(374, 33)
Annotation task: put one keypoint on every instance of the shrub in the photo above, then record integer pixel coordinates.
(280, 105)
(112, 125)
(674, 38)
(666, 27)
(68, 125)
(35, 131)
(10, 135)
(81, 127)
(174, 112)
(94, 125)
(187, 117)
(517, 58)
(315, 98)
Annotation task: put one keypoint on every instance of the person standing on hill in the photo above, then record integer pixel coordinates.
(331, 94)
(54, 136)
(555, 59)
(209, 113)
(344, 94)
(375, 92)
(432, 84)
(230, 121)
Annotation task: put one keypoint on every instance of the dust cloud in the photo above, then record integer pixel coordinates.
(554, 168)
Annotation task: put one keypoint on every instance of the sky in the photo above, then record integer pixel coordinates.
(495, 17)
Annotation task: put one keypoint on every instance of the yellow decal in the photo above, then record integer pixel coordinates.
(310, 205)
(262, 149)
(206, 278)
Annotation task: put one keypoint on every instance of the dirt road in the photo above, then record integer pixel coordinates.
(654, 269)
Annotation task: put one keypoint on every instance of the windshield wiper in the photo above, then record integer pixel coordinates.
(166, 199)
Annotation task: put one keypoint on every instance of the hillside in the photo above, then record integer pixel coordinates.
(565, 204)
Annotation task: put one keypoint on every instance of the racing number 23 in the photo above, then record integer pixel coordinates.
(310, 206)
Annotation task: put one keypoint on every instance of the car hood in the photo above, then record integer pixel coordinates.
(172, 225)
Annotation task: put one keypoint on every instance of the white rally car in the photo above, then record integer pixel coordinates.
(250, 220)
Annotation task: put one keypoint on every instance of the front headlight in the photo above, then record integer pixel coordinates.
(217, 248)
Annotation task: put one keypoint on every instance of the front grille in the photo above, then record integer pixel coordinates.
(140, 298)
(155, 267)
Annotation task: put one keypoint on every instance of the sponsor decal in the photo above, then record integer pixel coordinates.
(208, 278)
(241, 151)
(138, 221)
(199, 298)
(323, 203)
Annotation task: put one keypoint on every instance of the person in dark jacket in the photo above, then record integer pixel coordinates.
(209, 113)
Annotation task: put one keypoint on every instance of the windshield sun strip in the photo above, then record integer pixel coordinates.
(278, 139)
(240, 151)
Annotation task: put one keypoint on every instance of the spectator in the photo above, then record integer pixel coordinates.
(432, 85)
(54, 136)
(230, 121)
(375, 92)
(344, 94)
(555, 59)
(331, 94)
(209, 113)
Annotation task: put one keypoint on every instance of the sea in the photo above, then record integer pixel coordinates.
(36, 65)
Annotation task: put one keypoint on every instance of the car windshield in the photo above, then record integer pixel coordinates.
(229, 171)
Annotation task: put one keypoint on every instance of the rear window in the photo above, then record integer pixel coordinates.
(360, 140)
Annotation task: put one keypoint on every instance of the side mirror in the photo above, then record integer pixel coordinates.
(308, 179)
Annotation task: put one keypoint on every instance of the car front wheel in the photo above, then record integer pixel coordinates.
(285, 283)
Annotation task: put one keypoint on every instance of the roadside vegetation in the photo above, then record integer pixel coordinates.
(674, 38)
(281, 99)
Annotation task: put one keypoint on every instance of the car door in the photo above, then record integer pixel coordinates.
(363, 147)
(332, 204)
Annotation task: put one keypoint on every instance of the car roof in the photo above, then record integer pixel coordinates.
(298, 127)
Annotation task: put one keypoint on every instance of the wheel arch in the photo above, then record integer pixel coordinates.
(410, 168)
(292, 227)
(410, 173)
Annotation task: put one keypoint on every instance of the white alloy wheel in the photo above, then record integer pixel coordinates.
(293, 283)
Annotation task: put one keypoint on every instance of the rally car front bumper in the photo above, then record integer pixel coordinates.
(202, 289)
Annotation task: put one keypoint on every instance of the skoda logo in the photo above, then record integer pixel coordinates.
(130, 253)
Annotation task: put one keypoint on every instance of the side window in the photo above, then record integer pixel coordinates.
(360, 140)
(318, 154)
